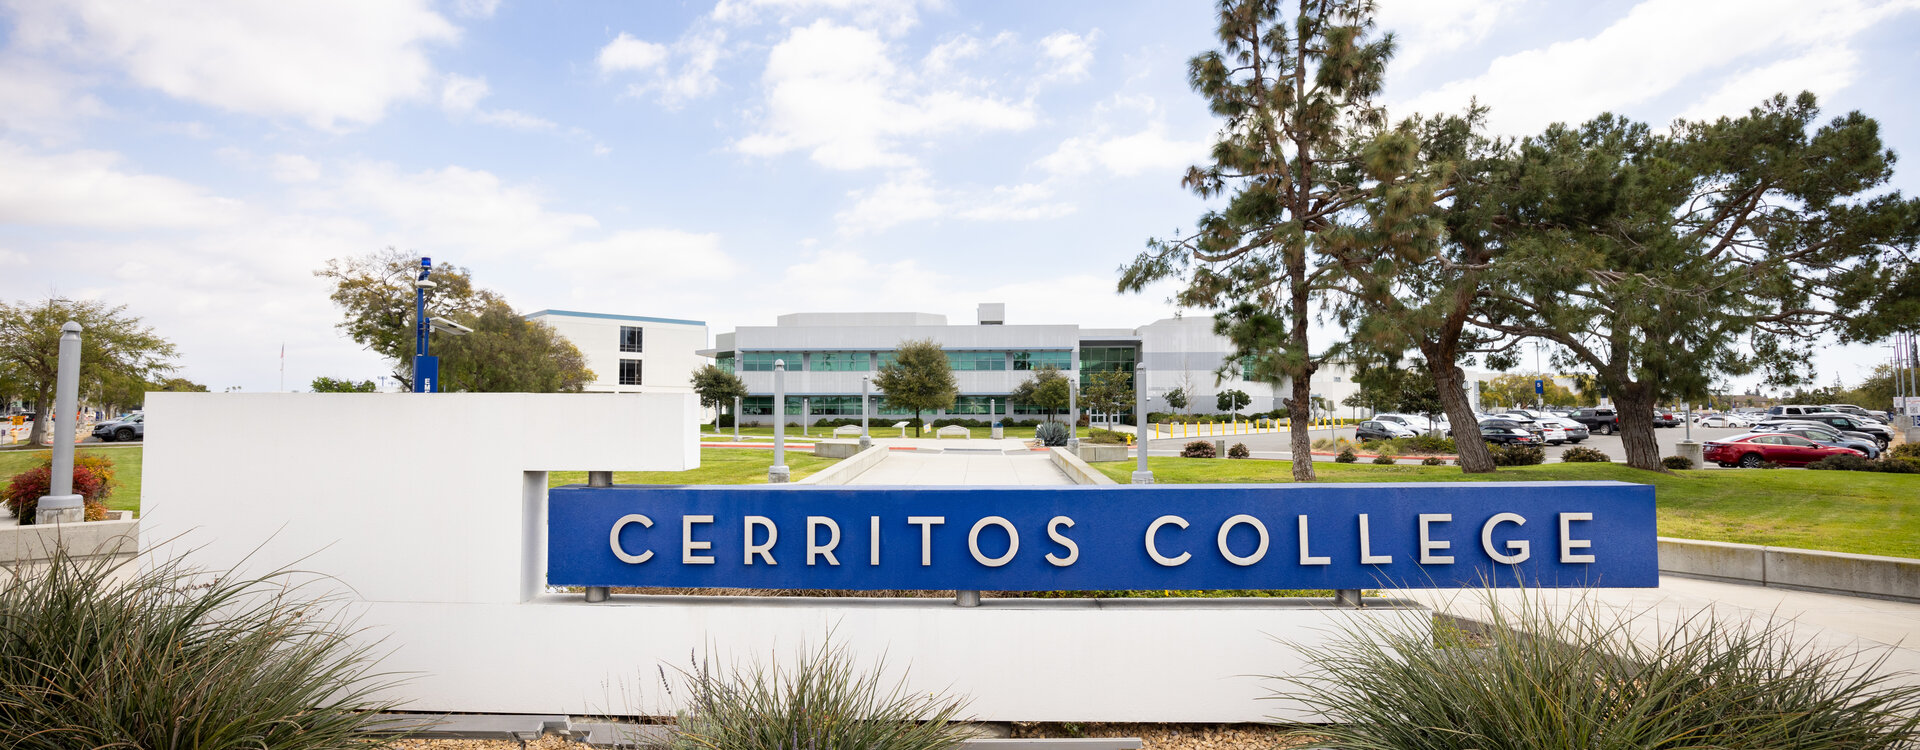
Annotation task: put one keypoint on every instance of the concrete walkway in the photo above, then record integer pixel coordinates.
(955, 467)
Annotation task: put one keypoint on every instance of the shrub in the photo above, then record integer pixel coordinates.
(1239, 450)
(1677, 463)
(1861, 463)
(1105, 437)
(1084, 422)
(724, 420)
(1198, 449)
(93, 481)
(1383, 459)
(1324, 444)
(1426, 443)
(97, 653)
(1346, 456)
(1516, 455)
(1433, 461)
(823, 701)
(1905, 450)
(1585, 676)
(1583, 455)
(1051, 433)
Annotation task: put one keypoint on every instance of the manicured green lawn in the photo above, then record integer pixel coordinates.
(1839, 511)
(877, 429)
(717, 466)
(126, 470)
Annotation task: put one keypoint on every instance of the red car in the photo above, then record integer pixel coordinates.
(1752, 450)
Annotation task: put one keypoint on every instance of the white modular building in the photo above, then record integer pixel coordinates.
(633, 353)
(828, 355)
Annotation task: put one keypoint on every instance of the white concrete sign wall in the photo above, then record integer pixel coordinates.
(431, 511)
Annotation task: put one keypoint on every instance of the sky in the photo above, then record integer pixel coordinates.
(731, 161)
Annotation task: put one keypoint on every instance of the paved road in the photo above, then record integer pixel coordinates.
(1277, 444)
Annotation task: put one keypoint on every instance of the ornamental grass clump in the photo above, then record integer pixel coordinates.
(823, 701)
(170, 658)
(1592, 678)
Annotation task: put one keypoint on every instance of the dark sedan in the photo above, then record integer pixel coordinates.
(1508, 432)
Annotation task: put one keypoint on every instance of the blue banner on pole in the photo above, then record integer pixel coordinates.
(1186, 537)
(1540, 386)
(426, 374)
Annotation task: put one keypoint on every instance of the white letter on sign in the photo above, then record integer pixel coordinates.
(1519, 547)
(1568, 544)
(1154, 552)
(973, 541)
(823, 550)
(1053, 532)
(926, 524)
(614, 538)
(1258, 552)
(688, 545)
(1366, 547)
(1428, 546)
(1306, 557)
(765, 551)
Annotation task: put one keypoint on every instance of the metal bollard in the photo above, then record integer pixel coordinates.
(1346, 598)
(966, 598)
(599, 479)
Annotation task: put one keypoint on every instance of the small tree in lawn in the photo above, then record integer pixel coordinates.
(919, 378)
(1110, 392)
(717, 388)
(1232, 401)
(1046, 389)
(1177, 399)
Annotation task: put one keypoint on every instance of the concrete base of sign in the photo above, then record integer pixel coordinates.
(835, 449)
(1135, 660)
(1692, 451)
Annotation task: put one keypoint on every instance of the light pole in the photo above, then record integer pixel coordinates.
(1140, 475)
(778, 473)
(736, 419)
(426, 368)
(60, 505)
(865, 440)
(1073, 415)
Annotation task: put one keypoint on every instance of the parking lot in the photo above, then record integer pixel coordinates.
(1275, 445)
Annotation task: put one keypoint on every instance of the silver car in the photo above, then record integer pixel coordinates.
(130, 427)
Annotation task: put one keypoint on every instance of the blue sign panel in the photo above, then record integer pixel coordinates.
(426, 374)
(1540, 386)
(1290, 536)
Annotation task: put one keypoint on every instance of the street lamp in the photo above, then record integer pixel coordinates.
(426, 368)
(778, 473)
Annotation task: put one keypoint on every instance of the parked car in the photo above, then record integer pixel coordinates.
(1379, 429)
(1827, 436)
(1751, 451)
(1725, 420)
(1576, 432)
(1548, 429)
(1782, 424)
(1598, 419)
(1665, 418)
(1414, 422)
(1845, 422)
(1507, 432)
(1882, 416)
(1794, 410)
(130, 427)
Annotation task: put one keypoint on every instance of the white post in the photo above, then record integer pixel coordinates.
(736, 419)
(1073, 415)
(778, 473)
(60, 505)
(806, 413)
(1141, 475)
(865, 440)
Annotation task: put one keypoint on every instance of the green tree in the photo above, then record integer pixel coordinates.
(1516, 391)
(507, 353)
(919, 378)
(1177, 399)
(1232, 401)
(324, 384)
(1046, 389)
(1388, 388)
(1111, 392)
(1664, 261)
(717, 388)
(1296, 96)
(115, 349)
(376, 294)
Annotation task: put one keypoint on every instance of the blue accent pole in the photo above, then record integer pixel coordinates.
(422, 382)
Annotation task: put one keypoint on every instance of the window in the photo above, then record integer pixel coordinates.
(724, 361)
(763, 361)
(839, 362)
(844, 406)
(970, 361)
(630, 371)
(1038, 360)
(630, 339)
(1105, 359)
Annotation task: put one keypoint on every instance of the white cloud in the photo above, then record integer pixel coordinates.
(1425, 29)
(947, 54)
(295, 168)
(657, 256)
(627, 54)
(42, 100)
(1067, 55)
(835, 92)
(88, 189)
(1149, 150)
(476, 8)
(461, 95)
(329, 63)
(1656, 48)
(894, 17)
(470, 210)
(910, 196)
(1823, 70)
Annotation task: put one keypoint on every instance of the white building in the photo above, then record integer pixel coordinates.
(633, 353)
(829, 354)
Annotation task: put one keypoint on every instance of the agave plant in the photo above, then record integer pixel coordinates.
(1051, 433)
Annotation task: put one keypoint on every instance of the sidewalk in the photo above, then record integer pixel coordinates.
(922, 468)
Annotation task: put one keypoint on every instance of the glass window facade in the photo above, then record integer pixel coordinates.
(1039, 359)
(630, 372)
(724, 361)
(630, 338)
(974, 361)
(1105, 359)
(763, 361)
(838, 361)
(978, 405)
(834, 406)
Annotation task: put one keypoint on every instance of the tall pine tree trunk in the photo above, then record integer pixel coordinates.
(1633, 402)
(1451, 384)
(42, 417)
(1298, 408)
